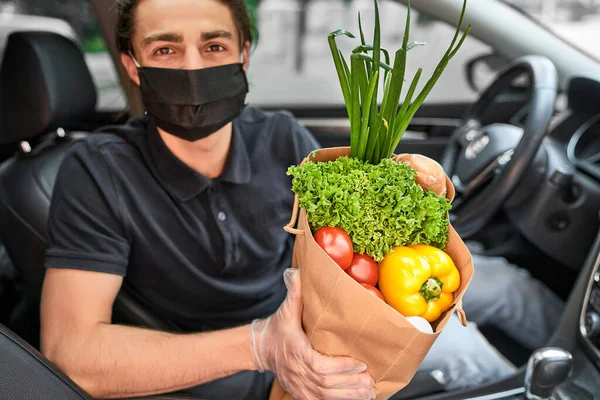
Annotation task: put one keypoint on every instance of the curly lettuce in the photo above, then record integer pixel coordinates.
(379, 206)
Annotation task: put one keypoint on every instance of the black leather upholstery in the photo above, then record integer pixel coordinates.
(26, 375)
(44, 83)
(26, 184)
(57, 89)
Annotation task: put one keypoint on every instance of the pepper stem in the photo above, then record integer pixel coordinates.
(431, 289)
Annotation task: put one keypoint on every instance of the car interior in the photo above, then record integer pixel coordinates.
(530, 194)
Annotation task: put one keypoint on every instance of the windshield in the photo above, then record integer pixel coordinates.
(292, 63)
(575, 21)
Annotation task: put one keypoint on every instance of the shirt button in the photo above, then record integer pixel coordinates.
(222, 216)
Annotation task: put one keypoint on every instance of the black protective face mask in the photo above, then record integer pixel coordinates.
(193, 104)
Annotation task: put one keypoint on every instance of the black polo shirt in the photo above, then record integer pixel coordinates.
(200, 253)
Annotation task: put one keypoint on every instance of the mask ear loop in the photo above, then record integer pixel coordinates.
(134, 60)
(138, 66)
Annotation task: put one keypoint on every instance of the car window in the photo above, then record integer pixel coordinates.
(73, 19)
(292, 65)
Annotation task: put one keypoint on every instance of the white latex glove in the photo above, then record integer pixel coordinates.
(280, 345)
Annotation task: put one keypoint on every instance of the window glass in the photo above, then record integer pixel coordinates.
(292, 65)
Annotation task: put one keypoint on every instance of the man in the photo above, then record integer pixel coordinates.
(185, 207)
(189, 209)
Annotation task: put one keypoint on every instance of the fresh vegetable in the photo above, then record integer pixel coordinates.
(363, 269)
(378, 206)
(419, 281)
(373, 290)
(421, 324)
(337, 244)
(375, 131)
(373, 198)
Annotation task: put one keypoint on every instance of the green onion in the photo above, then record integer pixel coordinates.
(366, 122)
(363, 81)
(355, 64)
(375, 131)
(374, 76)
(362, 41)
(339, 66)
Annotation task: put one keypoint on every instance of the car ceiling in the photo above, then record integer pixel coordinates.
(489, 20)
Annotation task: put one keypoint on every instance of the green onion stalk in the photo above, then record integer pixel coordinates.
(376, 131)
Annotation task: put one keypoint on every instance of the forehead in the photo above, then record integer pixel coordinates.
(188, 17)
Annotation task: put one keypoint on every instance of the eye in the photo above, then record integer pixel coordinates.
(215, 48)
(163, 51)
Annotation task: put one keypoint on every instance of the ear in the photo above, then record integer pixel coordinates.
(246, 53)
(130, 67)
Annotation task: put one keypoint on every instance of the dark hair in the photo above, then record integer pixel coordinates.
(126, 22)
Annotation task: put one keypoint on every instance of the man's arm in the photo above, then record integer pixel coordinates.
(112, 361)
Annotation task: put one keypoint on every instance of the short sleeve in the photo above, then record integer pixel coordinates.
(84, 228)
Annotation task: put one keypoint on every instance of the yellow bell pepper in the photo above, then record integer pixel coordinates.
(418, 281)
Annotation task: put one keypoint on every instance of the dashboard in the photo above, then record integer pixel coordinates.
(557, 205)
(583, 151)
(572, 195)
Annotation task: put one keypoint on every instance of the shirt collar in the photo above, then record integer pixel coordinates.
(186, 183)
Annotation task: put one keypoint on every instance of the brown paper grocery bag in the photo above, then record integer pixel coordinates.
(341, 318)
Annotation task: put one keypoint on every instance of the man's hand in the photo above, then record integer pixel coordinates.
(280, 345)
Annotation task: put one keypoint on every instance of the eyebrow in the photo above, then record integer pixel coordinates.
(162, 37)
(206, 36)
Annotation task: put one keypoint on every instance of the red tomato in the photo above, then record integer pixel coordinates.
(373, 290)
(364, 269)
(337, 244)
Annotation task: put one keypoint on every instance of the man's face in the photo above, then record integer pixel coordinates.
(184, 34)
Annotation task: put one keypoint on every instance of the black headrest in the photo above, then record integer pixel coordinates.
(44, 83)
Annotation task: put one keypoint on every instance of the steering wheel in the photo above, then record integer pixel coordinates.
(486, 163)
